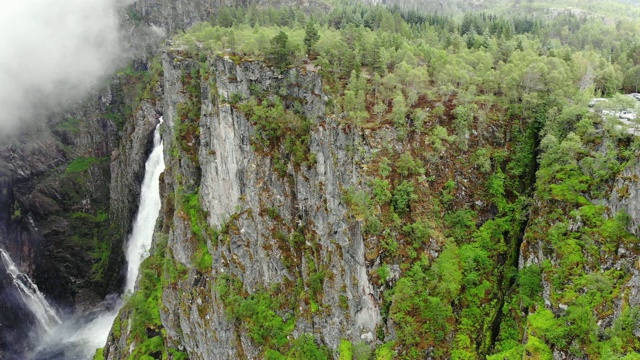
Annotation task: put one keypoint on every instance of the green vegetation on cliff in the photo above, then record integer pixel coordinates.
(140, 316)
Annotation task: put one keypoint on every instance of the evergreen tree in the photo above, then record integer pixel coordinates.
(280, 50)
(311, 36)
(225, 17)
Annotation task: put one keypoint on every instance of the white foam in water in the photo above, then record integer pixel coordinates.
(94, 334)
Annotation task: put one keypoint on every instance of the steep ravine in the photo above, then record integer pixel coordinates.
(69, 192)
(70, 183)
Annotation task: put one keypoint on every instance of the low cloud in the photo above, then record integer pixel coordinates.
(52, 52)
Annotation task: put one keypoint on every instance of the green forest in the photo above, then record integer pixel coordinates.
(495, 158)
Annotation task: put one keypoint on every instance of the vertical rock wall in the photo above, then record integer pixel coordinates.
(261, 208)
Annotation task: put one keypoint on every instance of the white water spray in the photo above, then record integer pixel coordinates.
(32, 297)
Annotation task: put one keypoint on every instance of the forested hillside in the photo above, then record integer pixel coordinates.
(494, 205)
(609, 8)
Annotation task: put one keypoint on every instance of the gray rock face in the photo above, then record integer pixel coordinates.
(235, 178)
(45, 193)
(127, 164)
(175, 15)
(237, 185)
(38, 197)
(625, 197)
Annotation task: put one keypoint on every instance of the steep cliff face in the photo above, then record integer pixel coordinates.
(47, 194)
(285, 227)
(583, 241)
(625, 198)
(69, 185)
(40, 196)
(127, 164)
(290, 227)
(172, 16)
(276, 228)
(293, 226)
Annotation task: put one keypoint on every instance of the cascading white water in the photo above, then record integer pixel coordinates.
(96, 332)
(142, 233)
(140, 240)
(32, 297)
(79, 339)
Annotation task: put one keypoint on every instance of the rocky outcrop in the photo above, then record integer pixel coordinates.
(69, 186)
(589, 249)
(172, 16)
(264, 209)
(127, 164)
(46, 193)
(625, 196)
(625, 199)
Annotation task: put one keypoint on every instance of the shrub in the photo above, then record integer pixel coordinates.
(381, 191)
(383, 272)
(345, 350)
(408, 165)
(403, 194)
(279, 130)
(384, 168)
(81, 164)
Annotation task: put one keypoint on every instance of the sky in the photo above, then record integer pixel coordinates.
(52, 52)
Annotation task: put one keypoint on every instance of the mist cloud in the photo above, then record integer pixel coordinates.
(51, 52)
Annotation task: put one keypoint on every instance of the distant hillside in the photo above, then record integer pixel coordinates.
(609, 8)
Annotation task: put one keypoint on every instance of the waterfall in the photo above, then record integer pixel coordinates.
(95, 333)
(142, 233)
(32, 297)
(78, 338)
(139, 243)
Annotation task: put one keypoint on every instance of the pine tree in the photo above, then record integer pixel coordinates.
(280, 50)
(311, 36)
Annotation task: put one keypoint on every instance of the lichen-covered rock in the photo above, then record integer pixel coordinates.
(174, 15)
(238, 181)
(275, 227)
(625, 196)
